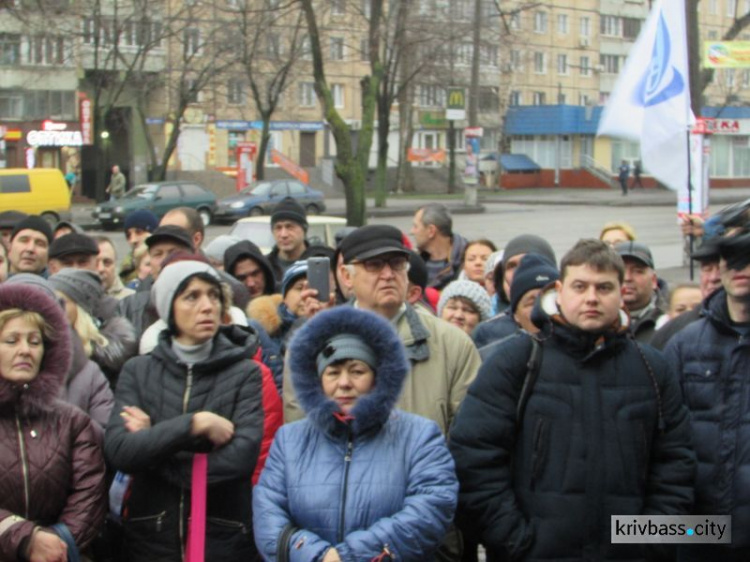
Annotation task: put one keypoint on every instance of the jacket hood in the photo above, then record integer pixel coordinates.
(40, 393)
(715, 308)
(265, 309)
(371, 410)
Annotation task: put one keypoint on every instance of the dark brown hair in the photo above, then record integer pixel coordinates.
(594, 253)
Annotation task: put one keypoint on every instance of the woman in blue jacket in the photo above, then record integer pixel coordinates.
(356, 479)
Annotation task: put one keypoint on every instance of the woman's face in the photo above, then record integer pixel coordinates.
(293, 297)
(474, 260)
(345, 381)
(144, 268)
(21, 350)
(197, 312)
(71, 310)
(461, 314)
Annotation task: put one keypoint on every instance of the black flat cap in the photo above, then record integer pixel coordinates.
(170, 233)
(73, 243)
(636, 251)
(372, 240)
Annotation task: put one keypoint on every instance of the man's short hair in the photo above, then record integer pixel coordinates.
(596, 254)
(194, 221)
(101, 239)
(439, 215)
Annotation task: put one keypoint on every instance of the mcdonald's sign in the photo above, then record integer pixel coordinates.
(456, 108)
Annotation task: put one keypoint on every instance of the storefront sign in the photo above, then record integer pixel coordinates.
(54, 133)
(87, 134)
(426, 155)
(727, 54)
(238, 125)
(474, 132)
(433, 119)
(723, 126)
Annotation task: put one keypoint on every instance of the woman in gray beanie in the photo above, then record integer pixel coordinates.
(197, 392)
(464, 304)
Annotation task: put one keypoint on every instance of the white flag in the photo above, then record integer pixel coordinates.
(651, 99)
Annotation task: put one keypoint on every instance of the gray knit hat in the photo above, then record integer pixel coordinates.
(468, 290)
(34, 280)
(81, 286)
(526, 243)
(170, 279)
(345, 346)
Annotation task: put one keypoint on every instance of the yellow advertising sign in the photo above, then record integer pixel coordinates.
(726, 54)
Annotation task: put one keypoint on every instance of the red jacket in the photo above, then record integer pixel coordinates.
(274, 415)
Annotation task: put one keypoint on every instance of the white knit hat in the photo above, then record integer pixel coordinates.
(492, 261)
(468, 290)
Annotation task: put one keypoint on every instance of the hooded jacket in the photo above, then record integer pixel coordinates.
(51, 465)
(713, 362)
(376, 481)
(157, 508)
(605, 432)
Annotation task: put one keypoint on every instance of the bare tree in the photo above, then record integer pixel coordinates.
(351, 162)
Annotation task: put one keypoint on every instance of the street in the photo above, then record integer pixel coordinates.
(561, 225)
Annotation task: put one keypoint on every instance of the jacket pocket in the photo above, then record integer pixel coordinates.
(148, 523)
(702, 384)
(228, 540)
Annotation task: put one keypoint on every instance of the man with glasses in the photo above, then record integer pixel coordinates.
(443, 358)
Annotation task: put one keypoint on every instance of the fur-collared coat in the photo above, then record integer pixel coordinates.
(377, 481)
(51, 464)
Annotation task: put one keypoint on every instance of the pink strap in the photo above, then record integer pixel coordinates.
(196, 548)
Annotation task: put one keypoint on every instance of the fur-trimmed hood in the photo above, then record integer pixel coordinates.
(40, 393)
(265, 310)
(372, 410)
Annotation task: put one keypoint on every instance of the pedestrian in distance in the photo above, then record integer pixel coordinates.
(623, 175)
(118, 184)
(356, 479)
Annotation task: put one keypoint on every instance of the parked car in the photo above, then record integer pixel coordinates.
(158, 197)
(35, 191)
(262, 196)
(321, 231)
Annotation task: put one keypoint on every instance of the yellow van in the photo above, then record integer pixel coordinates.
(35, 191)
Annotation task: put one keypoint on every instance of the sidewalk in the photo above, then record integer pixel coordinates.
(406, 206)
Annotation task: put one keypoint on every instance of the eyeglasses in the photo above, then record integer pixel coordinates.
(376, 265)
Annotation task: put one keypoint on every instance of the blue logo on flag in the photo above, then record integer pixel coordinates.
(661, 81)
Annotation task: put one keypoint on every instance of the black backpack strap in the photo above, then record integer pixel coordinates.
(532, 373)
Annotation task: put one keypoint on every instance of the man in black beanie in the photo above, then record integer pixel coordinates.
(29, 246)
(289, 227)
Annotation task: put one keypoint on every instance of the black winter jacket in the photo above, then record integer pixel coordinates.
(588, 447)
(156, 509)
(713, 362)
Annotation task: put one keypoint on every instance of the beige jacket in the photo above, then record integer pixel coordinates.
(444, 362)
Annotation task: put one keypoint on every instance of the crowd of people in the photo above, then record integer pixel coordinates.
(448, 397)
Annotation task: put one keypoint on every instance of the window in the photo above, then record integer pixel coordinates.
(610, 63)
(731, 8)
(562, 64)
(585, 26)
(337, 48)
(169, 192)
(431, 96)
(745, 78)
(488, 55)
(337, 91)
(192, 90)
(366, 8)
(192, 190)
(273, 46)
(585, 66)
(583, 99)
(236, 92)
(15, 184)
(489, 100)
(338, 7)
(515, 21)
(10, 49)
(233, 137)
(46, 50)
(296, 188)
(713, 35)
(540, 22)
(464, 53)
(279, 190)
(364, 50)
(192, 42)
(11, 105)
(306, 52)
(631, 27)
(611, 26)
(713, 7)
(515, 97)
(562, 99)
(515, 59)
(540, 63)
(562, 24)
(729, 74)
(539, 98)
(43, 104)
(307, 94)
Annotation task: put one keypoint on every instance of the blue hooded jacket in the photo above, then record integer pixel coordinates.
(382, 482)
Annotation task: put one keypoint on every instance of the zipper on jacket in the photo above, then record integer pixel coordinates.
(185, 400)
(347, 464)
(24, 466)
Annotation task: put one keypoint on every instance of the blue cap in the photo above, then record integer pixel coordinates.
(296, 270)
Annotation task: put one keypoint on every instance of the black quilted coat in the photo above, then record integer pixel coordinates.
(51, 465)
(157, 506)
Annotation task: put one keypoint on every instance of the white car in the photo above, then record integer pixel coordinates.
(321, 230)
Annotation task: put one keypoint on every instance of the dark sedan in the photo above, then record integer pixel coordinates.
(261, 197)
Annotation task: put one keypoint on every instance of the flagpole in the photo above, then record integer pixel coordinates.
(691, 238)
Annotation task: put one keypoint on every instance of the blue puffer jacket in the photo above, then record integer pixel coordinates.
(713, 361)
(382, 482)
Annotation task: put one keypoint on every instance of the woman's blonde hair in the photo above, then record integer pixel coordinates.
(617, 225)
(33, 318)
(87, 330)
(138, 254)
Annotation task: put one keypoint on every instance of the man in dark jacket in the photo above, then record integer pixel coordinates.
(640, 289)
(440, 247)
(603, 431)
(712, 358)
(289, 228)
(245, 262)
